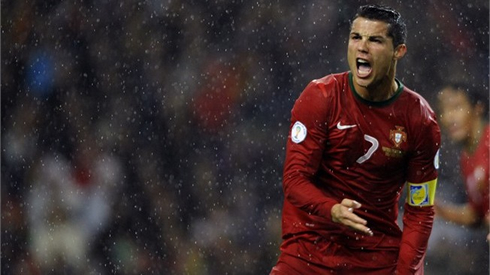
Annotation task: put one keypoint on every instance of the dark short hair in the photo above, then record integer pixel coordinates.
(474, 94)
(397, 28)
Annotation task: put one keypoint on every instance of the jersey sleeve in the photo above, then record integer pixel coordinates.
(418, 211)
(476, 166)
(304, 150)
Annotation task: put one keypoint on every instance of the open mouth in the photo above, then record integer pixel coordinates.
(363, 67)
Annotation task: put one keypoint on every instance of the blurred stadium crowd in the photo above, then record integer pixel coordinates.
(147, 137)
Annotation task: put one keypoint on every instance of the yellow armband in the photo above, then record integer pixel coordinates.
(422, 194)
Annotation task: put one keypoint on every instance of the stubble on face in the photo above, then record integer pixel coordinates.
(371, 56)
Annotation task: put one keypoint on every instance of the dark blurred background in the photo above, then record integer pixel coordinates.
(147, 137)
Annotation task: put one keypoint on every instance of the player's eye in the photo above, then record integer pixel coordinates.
(355, 37)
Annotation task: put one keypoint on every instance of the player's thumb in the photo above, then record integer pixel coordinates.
(351, 203)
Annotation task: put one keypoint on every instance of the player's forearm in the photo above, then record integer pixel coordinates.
(417, 226)
(303, 194)
(459, 214)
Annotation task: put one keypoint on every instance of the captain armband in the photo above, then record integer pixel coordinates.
(422, 194)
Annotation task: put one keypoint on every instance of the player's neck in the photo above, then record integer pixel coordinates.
(475, 135)
(380, 92)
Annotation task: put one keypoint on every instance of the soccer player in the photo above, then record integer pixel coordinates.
(463, 112)
(356, 139)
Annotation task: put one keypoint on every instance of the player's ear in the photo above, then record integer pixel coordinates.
(400, 51)
(479, 108)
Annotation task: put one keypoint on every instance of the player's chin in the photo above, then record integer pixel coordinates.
(458, 136)
(363, 82)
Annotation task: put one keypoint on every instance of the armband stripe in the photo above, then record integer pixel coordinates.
(422, 194)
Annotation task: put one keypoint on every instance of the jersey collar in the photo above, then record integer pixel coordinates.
(375, 103)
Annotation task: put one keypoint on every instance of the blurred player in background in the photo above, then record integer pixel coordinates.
(464, 116)
(356, 139)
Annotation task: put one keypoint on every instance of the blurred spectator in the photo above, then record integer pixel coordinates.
(70, 204)
(52, 203)
(463, 112)
(464, 118)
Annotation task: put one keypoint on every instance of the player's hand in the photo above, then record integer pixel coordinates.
(343, 213)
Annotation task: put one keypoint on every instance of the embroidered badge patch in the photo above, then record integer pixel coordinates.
(419, 195)
(298, 132)
(398, 136)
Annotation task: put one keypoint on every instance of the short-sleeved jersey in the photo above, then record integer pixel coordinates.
(475, 169)
(343, 146)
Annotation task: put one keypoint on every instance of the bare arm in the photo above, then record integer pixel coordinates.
(459, 214)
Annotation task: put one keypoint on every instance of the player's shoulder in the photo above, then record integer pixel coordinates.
(331, 79)
(418, 111)
(415, 101)
(329, 84)
(319, 94)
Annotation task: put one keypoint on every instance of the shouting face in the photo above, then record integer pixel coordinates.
(371, 54)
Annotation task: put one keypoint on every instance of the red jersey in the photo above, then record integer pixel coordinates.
(343, 146)
(475, 170)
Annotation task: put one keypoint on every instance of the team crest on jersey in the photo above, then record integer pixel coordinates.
(398, 136)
